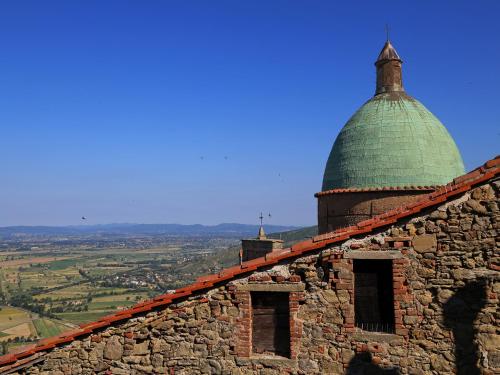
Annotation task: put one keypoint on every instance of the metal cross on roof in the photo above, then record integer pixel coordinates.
(261, 217)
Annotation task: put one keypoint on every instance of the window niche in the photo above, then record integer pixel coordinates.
(373, 295)
(270, 323)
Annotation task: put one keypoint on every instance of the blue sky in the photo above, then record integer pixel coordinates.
(212, 111)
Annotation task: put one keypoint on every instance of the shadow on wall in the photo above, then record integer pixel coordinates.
(460, 312)
(361, 364)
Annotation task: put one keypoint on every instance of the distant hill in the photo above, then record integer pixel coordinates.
(225, 229)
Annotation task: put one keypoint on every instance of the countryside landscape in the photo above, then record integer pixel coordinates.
(54, 278)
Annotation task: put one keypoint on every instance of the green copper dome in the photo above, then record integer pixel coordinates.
(392, 141)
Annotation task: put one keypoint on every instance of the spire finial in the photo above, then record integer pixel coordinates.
(262, 234)
(387, 32)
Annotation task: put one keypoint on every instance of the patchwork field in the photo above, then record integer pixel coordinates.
(11, 317)
(47, 289)
(78, 285)
(20, 325)
(30, 260)
(47, 327)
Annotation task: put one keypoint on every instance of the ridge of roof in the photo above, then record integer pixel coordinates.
(25, 355)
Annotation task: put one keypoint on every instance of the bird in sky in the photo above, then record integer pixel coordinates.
(84, 218)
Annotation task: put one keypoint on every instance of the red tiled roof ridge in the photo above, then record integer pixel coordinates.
(382, 188)
(458, 186)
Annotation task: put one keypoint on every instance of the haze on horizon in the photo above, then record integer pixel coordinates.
(197, 112)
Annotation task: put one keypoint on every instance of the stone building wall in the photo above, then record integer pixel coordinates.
(445, 284)
(256, 248)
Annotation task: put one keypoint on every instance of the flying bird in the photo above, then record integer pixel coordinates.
(84, 218)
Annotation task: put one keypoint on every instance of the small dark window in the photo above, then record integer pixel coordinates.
(271, 323)
(373, 295)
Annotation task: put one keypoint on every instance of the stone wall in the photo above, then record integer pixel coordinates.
(445, 284)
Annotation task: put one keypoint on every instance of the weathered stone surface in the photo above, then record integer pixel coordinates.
(363, 254)
(424, 243)
(113, 348)
(489, 341)
(141, 348)
(475, 206)
(485, 192)
(202, 312)
(330, 296)
(463, 274)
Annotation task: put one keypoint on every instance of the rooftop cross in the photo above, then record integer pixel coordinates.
(262, 234)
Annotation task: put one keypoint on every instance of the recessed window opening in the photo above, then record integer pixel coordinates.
(373, 295)
(270, 323)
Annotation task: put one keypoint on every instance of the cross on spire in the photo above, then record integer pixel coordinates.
(262, 234)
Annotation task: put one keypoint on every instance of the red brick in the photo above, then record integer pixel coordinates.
(411, 312)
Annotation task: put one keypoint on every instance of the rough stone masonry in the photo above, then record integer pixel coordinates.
(445, 288)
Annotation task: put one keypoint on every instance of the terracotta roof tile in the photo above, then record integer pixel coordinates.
(493, 163)
(207, 278)
(23, 349)
(7, 358)
(458, 186)
(374, 189)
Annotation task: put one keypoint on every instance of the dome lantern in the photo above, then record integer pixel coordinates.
(389, 70)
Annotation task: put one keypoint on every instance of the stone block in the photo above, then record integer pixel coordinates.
(424, 243)
(113, 349)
